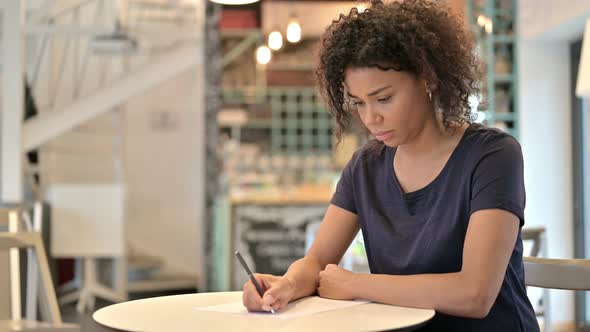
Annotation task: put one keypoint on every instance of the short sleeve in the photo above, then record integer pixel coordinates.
(498, 181)
(344, 195)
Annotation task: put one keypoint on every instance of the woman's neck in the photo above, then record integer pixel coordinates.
(431, 140)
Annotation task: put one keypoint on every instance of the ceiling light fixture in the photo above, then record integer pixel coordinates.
(275, 40)
(234, 2)
(293, 31)
(263, 55)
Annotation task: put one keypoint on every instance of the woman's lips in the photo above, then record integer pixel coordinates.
(383, 135)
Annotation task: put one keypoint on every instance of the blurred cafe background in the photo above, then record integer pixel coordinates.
(144, 141)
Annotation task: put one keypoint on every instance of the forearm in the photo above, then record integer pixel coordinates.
(303, 274)
(449, 293)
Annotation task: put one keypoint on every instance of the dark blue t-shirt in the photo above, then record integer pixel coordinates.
(424, 231)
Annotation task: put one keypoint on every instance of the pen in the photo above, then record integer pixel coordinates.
(251, 276)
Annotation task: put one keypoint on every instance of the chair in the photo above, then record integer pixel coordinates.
(33, 240)
(37, 263)
(568, 274)
(536, 235)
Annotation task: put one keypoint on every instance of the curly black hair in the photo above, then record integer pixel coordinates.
(418, 36)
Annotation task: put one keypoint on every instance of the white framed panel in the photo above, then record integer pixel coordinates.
(87, 220)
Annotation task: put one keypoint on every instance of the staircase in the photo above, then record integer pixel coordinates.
(80, 90)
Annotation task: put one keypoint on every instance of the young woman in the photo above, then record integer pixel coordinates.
(439, 199)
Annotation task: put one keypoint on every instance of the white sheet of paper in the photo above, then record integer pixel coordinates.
(302, 307)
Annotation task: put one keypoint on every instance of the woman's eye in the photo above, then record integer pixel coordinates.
(357, 103)
(384, 99)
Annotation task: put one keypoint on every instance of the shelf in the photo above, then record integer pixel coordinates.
(503, 78)
(509, 11)
(496, 48)
(295, 118)
(258, 124)
(500, 39)
(505, 117)
(500, 117)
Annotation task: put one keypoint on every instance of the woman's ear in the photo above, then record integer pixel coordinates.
(429, 86)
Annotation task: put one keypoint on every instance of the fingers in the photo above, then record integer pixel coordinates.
(250, 297)
(326, 270)
(267, 281)
(320, 291)
(330, 267)
(321, 283)
(268, 302)
(324, 290)
(325, 273)
(273, 296)
(277, 302)
(277, 293)
(323, 280)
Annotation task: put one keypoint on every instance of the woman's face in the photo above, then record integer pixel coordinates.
(393, 105)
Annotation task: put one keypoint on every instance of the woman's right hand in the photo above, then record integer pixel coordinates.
(278, 291)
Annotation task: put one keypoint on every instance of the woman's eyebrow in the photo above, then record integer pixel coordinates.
(371, 93)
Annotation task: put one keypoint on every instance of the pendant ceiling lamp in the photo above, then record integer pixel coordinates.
(275, 40)
(234, 2)
(293, 31)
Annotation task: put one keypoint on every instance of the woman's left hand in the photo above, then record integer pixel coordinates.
(336, 283)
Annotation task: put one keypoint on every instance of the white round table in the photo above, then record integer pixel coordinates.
(178, 313)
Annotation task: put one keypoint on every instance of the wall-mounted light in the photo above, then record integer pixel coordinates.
(263, 55)
(293, 31)
(486, 23)
(481, 20)
(489, 26)
(275, 40)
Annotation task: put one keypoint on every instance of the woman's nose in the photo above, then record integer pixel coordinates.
(372, 116)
